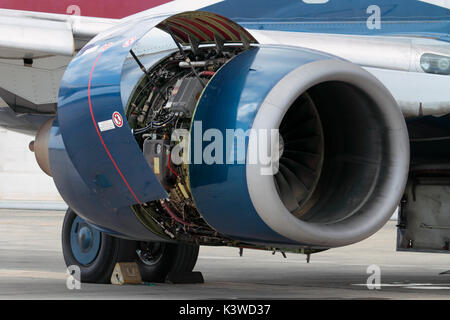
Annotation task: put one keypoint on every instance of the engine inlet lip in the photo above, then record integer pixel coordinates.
(386, 195)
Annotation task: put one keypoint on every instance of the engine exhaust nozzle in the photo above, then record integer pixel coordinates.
(40, 147)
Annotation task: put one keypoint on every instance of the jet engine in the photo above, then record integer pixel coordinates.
(158, 121)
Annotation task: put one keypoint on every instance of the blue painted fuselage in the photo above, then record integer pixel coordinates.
(356, 17)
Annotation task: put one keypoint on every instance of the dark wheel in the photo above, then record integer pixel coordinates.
(96, 253)
(157, 259)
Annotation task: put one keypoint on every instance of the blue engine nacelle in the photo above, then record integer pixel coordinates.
(333, 175)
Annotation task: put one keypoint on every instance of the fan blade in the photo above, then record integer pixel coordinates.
(310, 144)
(304, 174)
(310, 160)
(298, 188)
(286, 193)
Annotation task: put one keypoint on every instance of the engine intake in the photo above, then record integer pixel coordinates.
(350, 152)
(344, 151)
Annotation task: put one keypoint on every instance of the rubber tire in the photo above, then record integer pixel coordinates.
(112, 250)
(177, 258)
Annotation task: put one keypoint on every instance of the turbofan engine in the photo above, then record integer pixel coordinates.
(198, 84)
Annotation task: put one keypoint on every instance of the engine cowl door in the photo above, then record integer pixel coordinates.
(93, 123)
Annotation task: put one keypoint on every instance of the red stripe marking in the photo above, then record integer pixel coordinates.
(100, 136)
(224, 34)
(180, 34)
(206, 31)
(200, 37)
(230, 28)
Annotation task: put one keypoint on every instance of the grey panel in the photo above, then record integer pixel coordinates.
(21, 105)
(424, 217)
(22, 123)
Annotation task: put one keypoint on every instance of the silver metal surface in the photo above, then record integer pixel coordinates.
(387, 52)
(424, 221)
(417, 94)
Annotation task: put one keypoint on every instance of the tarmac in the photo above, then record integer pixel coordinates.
(32, 267)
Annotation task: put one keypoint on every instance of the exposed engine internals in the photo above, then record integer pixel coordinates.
(165, 100)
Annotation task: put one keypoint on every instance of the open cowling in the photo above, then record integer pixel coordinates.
(343, 146)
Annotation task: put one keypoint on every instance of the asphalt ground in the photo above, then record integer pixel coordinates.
(32, 267)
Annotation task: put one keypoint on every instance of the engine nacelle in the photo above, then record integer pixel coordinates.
(342, 150)
(344, 159)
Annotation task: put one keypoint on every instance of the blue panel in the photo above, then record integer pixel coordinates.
(118, 221)
(331, 11)
(405, 17)
(110, 162)
(231, 101)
